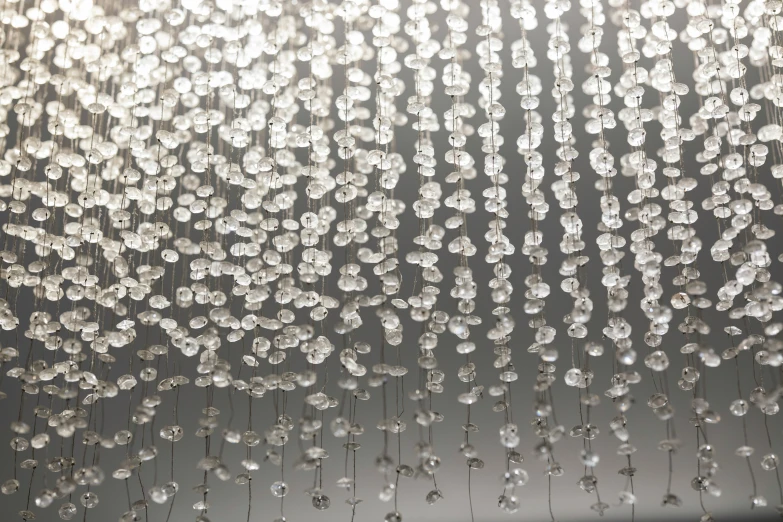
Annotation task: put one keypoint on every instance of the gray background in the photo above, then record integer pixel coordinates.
(229, 501)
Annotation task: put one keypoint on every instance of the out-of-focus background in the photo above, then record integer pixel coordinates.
(229, 501)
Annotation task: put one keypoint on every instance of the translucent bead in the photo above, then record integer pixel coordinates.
(770, 462)
(67, 511)
(690, 375)
(405, 470)
(394, 516)
(158, 495)
(434, 496)
(509, 504)
(657, 361)
(170, 489)
(739, 407)
(387, 492)
(475, 463)
(432, 463)
(10, 487)
(123, 437)
(40, 441)
(321, 502)
(700, 483)
(671, 499)
(744, 451)
(515, 477)
(587, 483)
(89, 500)
(279, 489)
(172, 433)
(705, 453)
(589, 458)
(573, 377)
(19, 444)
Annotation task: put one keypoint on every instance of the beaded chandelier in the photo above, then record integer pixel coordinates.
(289, 229)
